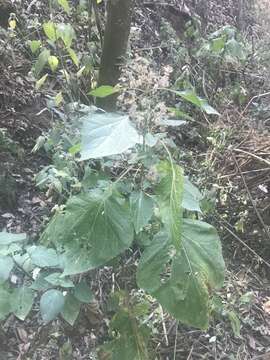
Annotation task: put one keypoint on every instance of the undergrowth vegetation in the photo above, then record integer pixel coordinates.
(120, 183)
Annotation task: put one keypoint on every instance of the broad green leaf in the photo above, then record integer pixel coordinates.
(182, 280)
(132, 342)
(50, 30)
(43, 257)
(11, 249)
(6, 265)
(83, 293)
(8, 238)
(153, 261)
(66, 33)
(53, 62)
(51, 304)
(218, 44)
(24, 261)
(235, 49)
(56, 280)
(34, 45)
(75, 149)
(40, 283)
(191, 197)
(193, 98)
(104, 91)
(71, 309)
(169, 196)
(5, 303)
(94, 228)
(142, 208)
(65, 5)
(41, 61)
(107, 134)
(22, 302)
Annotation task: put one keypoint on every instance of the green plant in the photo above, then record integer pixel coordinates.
(149, 204)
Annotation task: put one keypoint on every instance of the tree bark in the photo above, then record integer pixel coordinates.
(6, 8)
(240, 15)
(119, 14)
(202, 10)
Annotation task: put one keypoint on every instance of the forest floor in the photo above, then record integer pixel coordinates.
(241, 173)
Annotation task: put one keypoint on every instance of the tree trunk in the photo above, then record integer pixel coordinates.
(119, 13)
(202, 10)
(6, 8)
(240, 15)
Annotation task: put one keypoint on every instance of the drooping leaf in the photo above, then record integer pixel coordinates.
(66, 33)
(41, 62)
(40, 82)
(22, 302)
(142, 208)
(57, 280)
(182, 280)
(191, 197)
(71, 309)
(6, 265)
(193, 98)
(94, 228)
(51, 304)
(235, 323)
(83, 293)
(73, 56)
(169, 194)
(43, 257)
(172, 122)
(9, 238)
(107, 134)
(104, 91)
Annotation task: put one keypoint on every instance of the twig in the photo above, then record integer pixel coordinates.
(164, 327)
(30, 5)
(98, 22)
(250, 197)
(244, 244)
(253, 155)
(190, 353)
(251, 101)
(175, 342)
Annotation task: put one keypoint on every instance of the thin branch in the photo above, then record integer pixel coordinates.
(244, 244)
(250, 197)
(253, 155)
(252, 99)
